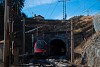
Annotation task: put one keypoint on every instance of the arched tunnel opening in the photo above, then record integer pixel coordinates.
(57, 47)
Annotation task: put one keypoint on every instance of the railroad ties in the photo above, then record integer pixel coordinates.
(51, 63)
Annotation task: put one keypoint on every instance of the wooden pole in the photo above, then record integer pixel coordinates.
(6, 36)
(32, 43)
(23, 35)
(72, 43)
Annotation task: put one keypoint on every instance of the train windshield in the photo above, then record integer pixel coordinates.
(41, 44)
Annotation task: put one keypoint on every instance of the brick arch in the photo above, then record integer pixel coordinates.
(57, 47)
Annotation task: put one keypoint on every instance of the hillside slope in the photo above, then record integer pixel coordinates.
(85, 26)
(92, 51)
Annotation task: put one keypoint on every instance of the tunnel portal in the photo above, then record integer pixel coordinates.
(57, 47)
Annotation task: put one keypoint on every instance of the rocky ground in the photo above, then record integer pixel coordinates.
(90, 51)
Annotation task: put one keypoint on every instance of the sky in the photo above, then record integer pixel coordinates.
(53, 9)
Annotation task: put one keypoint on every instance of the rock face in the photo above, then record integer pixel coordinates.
(96, 22)
(92, 51)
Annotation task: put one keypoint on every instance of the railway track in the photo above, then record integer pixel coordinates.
(54, 63)
(51, 62)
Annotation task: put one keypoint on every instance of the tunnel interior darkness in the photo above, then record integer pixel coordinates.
(57, 47)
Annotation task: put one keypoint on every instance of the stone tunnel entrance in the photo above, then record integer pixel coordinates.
(57, 47)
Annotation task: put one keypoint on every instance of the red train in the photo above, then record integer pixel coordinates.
(44, 50)
(40, 46)
(40, 49)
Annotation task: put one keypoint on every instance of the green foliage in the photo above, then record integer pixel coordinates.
(24, 15)
(15, 15)
(1, 21)
(1, 9)
(16, 6)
